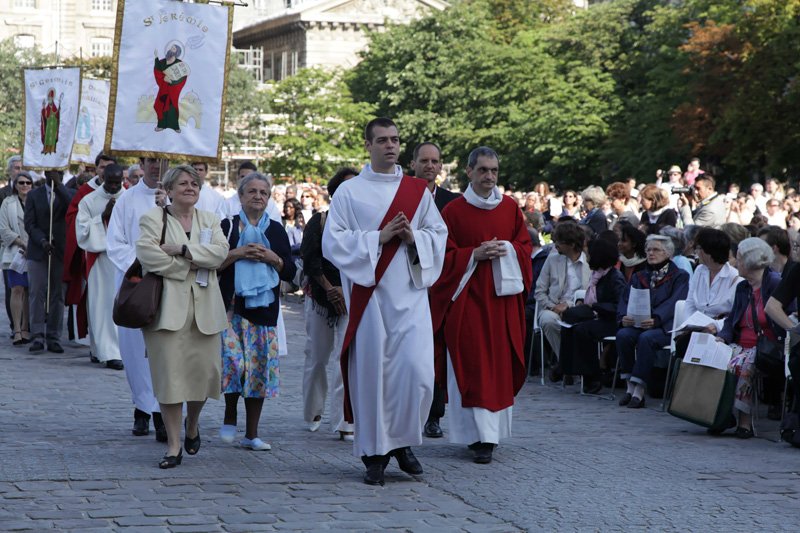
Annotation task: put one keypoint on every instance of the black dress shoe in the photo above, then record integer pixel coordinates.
(593, 387)
(636, 403)
(483, 453)
(555, 375)
(161, 429)
(141, 423)
(115, 364)
(54, 347)
(36, 347)
(433, 429)
(407, 462)
(625, 400)
(375, 464)
(93, 359)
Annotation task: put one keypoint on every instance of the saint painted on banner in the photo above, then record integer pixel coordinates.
(171, 74)
(50, 121)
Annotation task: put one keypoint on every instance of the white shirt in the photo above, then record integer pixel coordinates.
(712, 299)
(574, 277)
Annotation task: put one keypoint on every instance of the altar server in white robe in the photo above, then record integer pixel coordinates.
(390, 362)
(123, 231)
(94, 212)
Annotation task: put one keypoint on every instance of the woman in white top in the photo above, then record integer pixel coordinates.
(15, 239)
(713, 284)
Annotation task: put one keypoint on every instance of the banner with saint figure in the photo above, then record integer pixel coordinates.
(90, 132)
(51, 111)
(169, 79)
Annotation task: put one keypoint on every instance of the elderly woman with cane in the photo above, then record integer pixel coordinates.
(260, 256)
(183, 340)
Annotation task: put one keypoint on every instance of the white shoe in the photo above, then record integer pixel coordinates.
(313, 426)
(254, 444)
(346, 436)
(227, 433)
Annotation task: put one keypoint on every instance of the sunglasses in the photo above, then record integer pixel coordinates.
(24, 183)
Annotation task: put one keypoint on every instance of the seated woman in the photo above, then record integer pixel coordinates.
(747, 321)
(637, 346)
(593, 200)
(656, 213)
(778, 305)
(679, 243)
(595, 319)
(631, 250)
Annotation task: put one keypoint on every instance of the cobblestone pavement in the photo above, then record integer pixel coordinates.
(68, 462)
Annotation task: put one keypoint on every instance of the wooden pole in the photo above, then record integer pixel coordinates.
(50, 241)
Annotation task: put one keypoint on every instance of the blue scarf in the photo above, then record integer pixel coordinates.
(254, 280)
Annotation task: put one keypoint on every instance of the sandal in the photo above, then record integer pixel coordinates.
(744, 433)
(18, 340)
(192, 446)
(171, 461)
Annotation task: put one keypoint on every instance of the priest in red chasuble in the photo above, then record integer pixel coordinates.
(478, 303)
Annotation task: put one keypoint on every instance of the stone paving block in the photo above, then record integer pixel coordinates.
(81, 524)
(39, 486)
(247, 518)
(138, 520)
(93, 485)
(247, 528)
(57, 514)
(192, 520)
(25, 525)
(195, 528)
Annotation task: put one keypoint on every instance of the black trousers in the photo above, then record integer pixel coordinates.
(437, 407)
(579, 347)
(8, 300)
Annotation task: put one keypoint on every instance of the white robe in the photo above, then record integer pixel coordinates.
(91, 237)
(234, 206)
(123, 230)
(391, 355)
(212, 201)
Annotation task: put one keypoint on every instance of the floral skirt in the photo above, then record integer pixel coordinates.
(742, 364)
(250, 359)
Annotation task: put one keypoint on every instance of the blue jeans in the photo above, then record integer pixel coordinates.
(636, 349)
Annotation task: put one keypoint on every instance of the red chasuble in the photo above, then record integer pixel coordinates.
(484, 333)
(76, 264)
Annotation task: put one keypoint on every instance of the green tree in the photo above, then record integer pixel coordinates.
(315, 127)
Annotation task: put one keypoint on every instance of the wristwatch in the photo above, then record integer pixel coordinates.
(184, 249)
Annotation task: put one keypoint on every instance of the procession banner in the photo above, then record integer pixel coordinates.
(90, 132)
(51, 100)
(169, 79)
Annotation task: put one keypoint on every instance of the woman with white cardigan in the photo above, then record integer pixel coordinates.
(15, 241)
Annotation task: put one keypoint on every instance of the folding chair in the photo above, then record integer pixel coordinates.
(536, 329)
(677, 319)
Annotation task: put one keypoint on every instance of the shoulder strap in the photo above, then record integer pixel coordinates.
(322, 218)
(164, 229)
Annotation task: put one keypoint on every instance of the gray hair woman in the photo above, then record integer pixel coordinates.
(640, 338)
(260, 256)
(593, 199)
(748, 321)
(679, 245)
(183, 340)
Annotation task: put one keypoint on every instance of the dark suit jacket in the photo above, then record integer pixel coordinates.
(37, 221)
(443, 197)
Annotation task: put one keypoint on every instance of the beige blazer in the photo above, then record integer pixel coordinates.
(179, 281)
(552, 282)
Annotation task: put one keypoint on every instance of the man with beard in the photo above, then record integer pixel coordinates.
(171, 74)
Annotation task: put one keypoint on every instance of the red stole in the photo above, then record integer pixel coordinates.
(406, 200)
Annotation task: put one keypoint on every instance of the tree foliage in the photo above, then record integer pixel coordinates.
(315, 127)
(617, 90)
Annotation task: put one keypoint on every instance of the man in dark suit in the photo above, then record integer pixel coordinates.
(46, 323)
(427, 164)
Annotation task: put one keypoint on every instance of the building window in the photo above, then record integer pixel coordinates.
(101, 46)
(101, 5)
(24, 41)
(28, 4)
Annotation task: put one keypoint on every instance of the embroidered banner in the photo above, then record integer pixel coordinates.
(169, 79)
(90, 132)
(51, 111)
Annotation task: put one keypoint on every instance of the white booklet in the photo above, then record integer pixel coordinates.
(639, 306)
(705, 350)
(696, 322)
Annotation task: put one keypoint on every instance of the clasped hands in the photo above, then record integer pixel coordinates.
(490, 250)
(336, 298)
(647, 323)
(400, 227)
(259, 253)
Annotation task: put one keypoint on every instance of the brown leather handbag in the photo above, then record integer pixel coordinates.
(139, 296)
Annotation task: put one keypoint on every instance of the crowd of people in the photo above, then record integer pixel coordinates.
(418, 297)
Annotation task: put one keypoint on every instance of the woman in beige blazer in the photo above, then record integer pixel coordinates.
(183, 342)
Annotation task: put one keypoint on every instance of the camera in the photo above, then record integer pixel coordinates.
(683, 190)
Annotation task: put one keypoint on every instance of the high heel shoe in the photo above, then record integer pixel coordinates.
(192, 446)
(171, 461)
